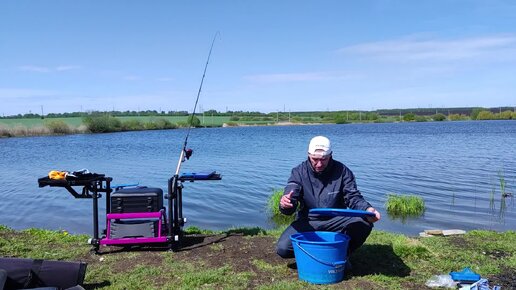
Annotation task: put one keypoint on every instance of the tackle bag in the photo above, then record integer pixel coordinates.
(32, 273)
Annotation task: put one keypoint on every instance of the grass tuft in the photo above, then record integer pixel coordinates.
(273, 208)
(404, 206)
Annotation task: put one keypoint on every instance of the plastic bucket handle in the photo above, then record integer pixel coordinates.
(331, 264)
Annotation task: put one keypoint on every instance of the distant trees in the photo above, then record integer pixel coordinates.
(339, 117)
(475, 112)
(507, 115)
(488, 115)
(457, 117)
(409, 117)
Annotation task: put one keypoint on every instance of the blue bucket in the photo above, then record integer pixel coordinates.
(320, 256)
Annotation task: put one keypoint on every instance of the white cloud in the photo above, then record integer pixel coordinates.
(495, 47)
(67, 67)
(33, 68)
(132, 78)
(44, 69)
(297, 77)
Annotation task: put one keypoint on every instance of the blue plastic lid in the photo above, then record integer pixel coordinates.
(198, 175)
(341, 212)
(466, 275)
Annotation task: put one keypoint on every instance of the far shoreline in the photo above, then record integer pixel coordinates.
(39, 131)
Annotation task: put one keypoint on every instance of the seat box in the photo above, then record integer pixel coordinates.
(134, 229)
(137, 199)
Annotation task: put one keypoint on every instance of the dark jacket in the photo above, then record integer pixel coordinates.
(335, 187)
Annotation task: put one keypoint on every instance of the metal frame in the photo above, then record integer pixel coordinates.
(173, 219)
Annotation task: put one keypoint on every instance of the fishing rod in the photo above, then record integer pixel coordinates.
(186, 153)
(175, 190)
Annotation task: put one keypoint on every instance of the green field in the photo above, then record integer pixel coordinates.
(77, 121)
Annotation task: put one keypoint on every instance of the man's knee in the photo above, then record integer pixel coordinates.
(358, 232)
(284, 253)
(284, 248)
(362, 229)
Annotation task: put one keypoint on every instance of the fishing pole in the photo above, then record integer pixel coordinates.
(175, 190)
(186, 153)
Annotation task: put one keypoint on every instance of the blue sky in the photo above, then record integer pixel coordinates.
(66, 56)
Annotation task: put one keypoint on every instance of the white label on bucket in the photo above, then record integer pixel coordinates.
(335, 271)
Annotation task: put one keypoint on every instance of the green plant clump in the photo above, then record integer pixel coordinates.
(405, 205)
(275, 214)
(102, 123)
(58, 127)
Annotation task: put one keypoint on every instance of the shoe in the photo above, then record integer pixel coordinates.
(292, 265)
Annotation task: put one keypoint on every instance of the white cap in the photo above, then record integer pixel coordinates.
(319, 145)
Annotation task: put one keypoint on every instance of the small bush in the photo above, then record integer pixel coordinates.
(102, 123)
(485, 115)
(421, 118)
(132, 125)
(164, 124)
(457, 117)
(409, 117)
(507, 115)
(194, 121)
(341, 120)
(439, 117)
(58, 127)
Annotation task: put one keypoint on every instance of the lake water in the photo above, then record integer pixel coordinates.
(455, 166)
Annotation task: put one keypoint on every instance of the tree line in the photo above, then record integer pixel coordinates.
(413, 114)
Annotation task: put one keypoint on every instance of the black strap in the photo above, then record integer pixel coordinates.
(33, 277)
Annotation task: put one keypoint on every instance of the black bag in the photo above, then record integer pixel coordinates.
(30, 273)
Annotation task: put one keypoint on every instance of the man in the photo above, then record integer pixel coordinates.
(321, 182)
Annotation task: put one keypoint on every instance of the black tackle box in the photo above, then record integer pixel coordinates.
(137, 199)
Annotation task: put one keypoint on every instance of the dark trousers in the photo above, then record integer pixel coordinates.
(356, 228)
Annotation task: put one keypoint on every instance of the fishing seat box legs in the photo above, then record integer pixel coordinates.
(131, 209)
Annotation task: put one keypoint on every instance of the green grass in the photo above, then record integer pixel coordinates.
(35, 122)
(404, 206)
(504, 194)
(216, 121)
(501, 179)
(385, 261)
(100, 123)
(273, 209)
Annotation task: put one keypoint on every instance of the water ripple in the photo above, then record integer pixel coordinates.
(457, 167)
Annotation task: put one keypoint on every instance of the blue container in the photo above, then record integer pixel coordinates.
(320, 256)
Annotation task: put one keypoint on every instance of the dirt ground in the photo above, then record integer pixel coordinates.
(239, 251)
(215, 251)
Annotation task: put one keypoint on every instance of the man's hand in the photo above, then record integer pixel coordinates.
(286, 202)
(377, 215)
